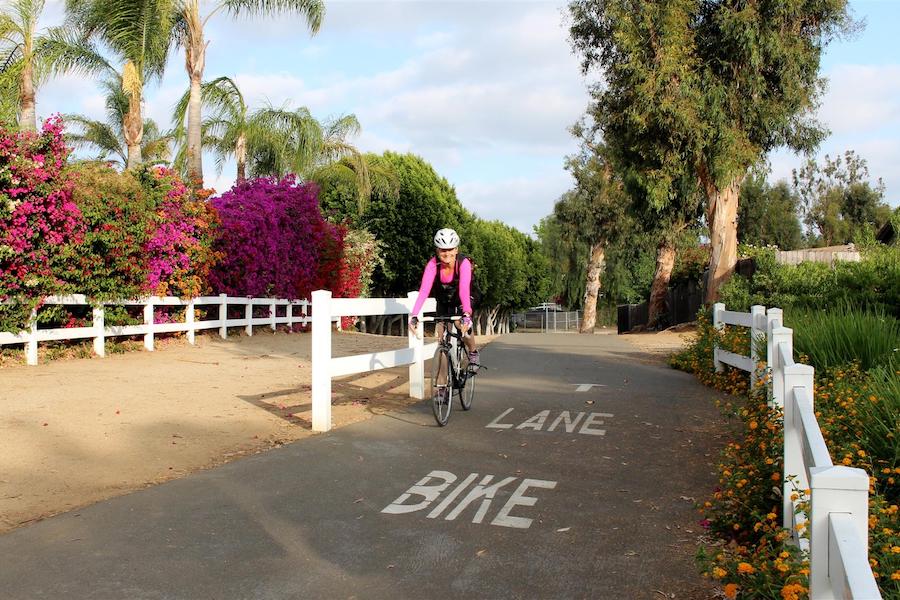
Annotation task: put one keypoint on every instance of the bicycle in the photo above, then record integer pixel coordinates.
(451, 377)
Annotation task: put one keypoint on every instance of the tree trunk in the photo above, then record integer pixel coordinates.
(27, 115)
(240, 154)
(665, 262)
(592, 289)
(133, 130)
(195, 59)
(722, 217)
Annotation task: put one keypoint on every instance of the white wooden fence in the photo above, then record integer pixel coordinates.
(839, 496)
(325, 367)
(99, 331)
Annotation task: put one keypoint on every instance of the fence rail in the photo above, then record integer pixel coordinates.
(839, 496)
(99, 331)
(325, 367)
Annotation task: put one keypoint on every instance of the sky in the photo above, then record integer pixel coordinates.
(483, 90)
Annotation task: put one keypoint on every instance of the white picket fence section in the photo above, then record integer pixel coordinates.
(325, 366)
(99, 331)
(839, 496)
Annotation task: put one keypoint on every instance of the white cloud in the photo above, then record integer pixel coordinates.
(862, 98)
(517, 201)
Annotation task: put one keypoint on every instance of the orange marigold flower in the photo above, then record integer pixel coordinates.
(719, 572)
(792, 591)
(746, 568)
(731, 590)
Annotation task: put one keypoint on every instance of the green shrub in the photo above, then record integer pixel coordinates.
(110, 262)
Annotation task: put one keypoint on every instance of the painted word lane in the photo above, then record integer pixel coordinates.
(562, 421)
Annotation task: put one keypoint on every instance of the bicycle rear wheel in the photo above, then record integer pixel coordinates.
(467, 391)
(441, 386)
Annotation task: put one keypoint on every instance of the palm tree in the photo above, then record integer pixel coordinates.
(18, 40)
(270, 141)
(141, 34)
(109, 137)
(224, 131)
(190, 34)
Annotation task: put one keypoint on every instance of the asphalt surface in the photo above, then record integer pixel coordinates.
(540, 491)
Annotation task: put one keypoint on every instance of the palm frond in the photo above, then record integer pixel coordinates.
(312, 10)
(95, 134)
(62, 50)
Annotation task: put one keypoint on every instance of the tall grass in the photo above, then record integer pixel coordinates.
(842, 335)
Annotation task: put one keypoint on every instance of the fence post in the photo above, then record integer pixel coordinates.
(148, 322)
(757, 328)
(189, 321)
(835, 489)
(782, 337)
(795, 376)
(321, 360)
(223, 316)
(31, 347)
(273, 325)
(289, 313)
(248, 315)
(773, 321)
(99, 332)
(417, 367)
(718, 309)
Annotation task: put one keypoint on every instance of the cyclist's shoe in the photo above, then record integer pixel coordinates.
(474, 359)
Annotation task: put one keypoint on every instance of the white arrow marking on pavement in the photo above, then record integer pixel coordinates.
(584, 387)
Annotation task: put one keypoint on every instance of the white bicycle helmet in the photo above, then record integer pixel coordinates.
(446, 239)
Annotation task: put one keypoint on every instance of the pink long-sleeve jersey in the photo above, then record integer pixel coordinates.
(465, 284)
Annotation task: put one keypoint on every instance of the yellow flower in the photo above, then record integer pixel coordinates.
(895, 576)
(719, 572)
(746, 568)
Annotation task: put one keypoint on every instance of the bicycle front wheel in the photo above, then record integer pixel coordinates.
(467, 391)
(441, 386)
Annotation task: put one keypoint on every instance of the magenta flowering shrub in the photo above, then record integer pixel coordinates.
(182, 233)
(273, 239)
(37, 218)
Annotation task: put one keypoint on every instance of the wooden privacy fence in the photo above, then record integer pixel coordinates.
(99, 331)
(325, 367)
(839, 496)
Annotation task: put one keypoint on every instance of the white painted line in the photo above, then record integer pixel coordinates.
(585, 387)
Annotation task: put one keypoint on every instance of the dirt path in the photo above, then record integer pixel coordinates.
(82, 430)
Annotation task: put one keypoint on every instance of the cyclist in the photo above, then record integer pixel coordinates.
(449, 282)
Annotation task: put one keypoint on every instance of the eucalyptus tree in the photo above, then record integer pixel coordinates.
(593, 213)
(107, 138)
(140, 35)
(714, 84)
(189, 29)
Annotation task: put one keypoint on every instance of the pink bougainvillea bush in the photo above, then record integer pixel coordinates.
(180, 247)
(274, 240)
(37, 218)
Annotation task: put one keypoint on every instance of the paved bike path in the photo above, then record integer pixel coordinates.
(601, 506)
